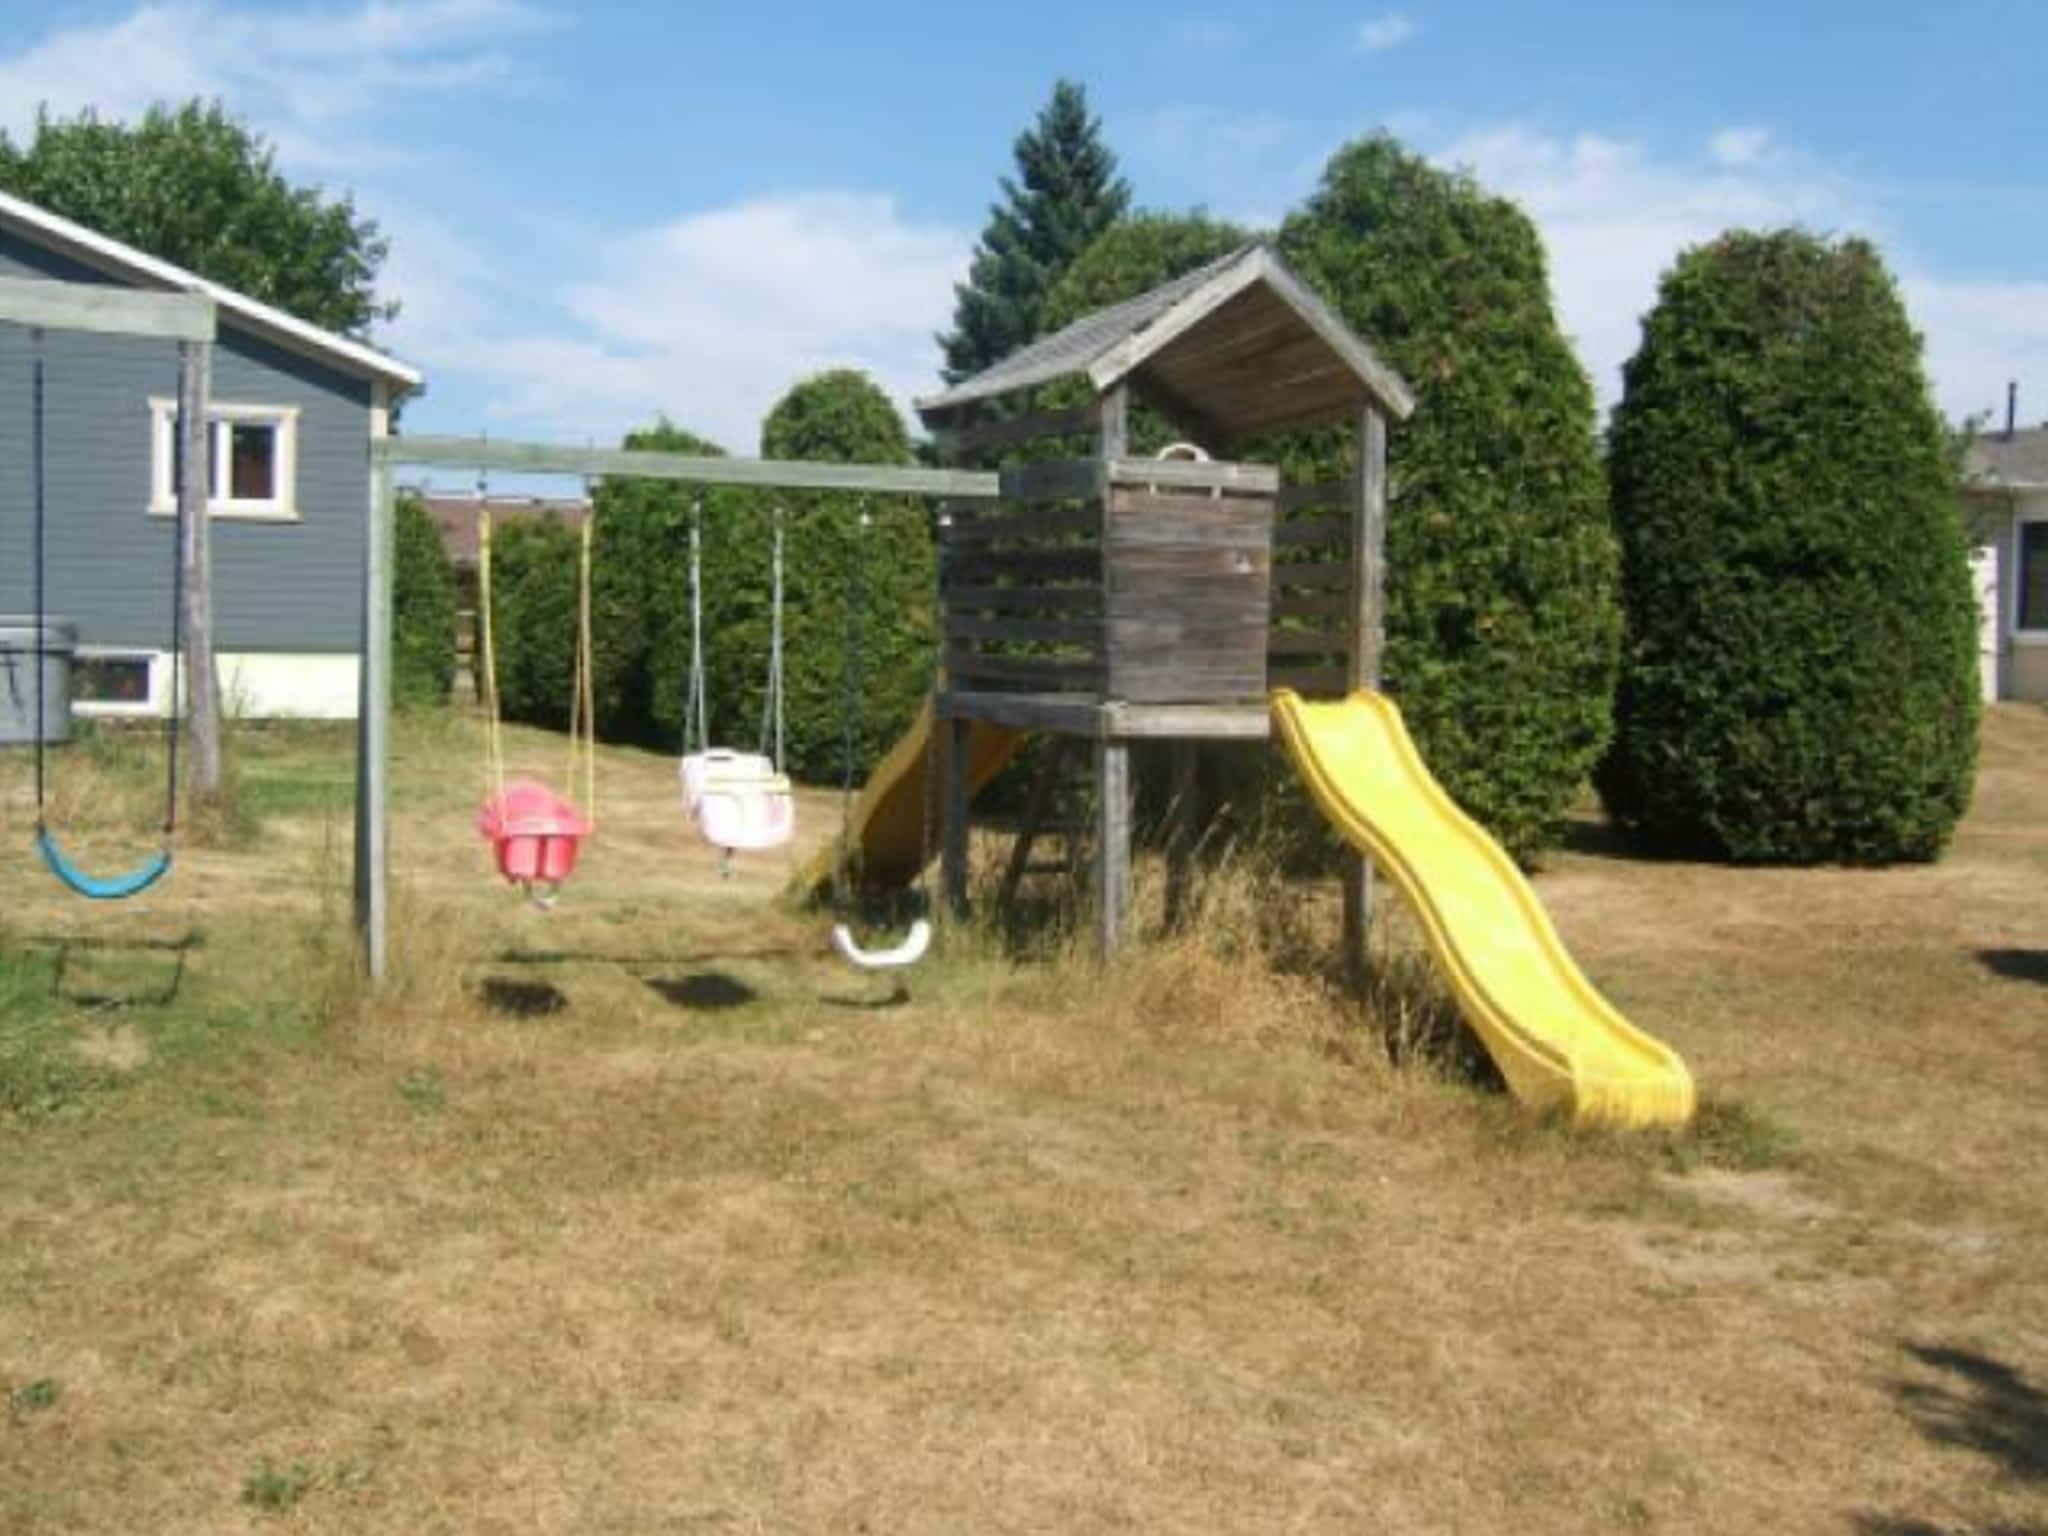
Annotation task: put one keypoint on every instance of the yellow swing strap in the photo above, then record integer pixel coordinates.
(583, 703)
(494, 743)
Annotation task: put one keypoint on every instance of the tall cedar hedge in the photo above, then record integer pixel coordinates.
(829, 558)
(533, 619)
(1799, 681)
(1502, 615)
(423, 609)
(640, 593)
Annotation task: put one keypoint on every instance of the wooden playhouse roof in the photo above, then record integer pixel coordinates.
(1235, 348)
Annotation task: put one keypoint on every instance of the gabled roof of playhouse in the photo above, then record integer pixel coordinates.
(1240, 346)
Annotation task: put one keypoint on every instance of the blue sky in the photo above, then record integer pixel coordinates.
(600, 211)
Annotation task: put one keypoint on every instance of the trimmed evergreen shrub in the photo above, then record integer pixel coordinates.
(533, 618)
(423, 609)
(841, 417)
(1800, 675)
(640, 589)
(1502, 618)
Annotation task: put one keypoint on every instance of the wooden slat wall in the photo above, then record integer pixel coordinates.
(1313, 607)
(1189, 590)
(1021, 580)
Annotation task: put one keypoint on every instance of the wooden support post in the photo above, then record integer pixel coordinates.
(204, 762)
(373, 729)
(953, 814)
(1112, 844)
(1113, 423)
(1184, 827)
(1368, 645)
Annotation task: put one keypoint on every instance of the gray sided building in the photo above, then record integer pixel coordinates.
(293, 411)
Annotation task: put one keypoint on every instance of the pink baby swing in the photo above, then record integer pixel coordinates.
(739, 801)
(535, 833)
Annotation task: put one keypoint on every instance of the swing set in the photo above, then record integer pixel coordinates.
(737, 801)
(154, 866)
(740, 802)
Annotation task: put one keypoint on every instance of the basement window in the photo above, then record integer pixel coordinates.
(113, 682)
(2031, 588)
(252, 461)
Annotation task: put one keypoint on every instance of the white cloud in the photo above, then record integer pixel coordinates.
(1614, 216)
(1379, 34)
(299, 75)
(1740, 146)
(708, 318)
(1980, 334)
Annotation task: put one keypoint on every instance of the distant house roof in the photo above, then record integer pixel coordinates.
(2000, 461)
(1241, 345)
(139, 267)
(456, 518)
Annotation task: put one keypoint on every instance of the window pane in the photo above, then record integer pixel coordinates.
(2034, 575)
(110, 680)
(253, 461)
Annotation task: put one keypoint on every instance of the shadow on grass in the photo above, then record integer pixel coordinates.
(898, 996)
(1974, 1403)
(516, 954)
(2016, 964)
(81, 983)
(516, 997)
(1981, 1405)
(703, 991)
(1421, 1025)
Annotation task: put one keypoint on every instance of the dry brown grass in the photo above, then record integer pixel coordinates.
(643, 1216)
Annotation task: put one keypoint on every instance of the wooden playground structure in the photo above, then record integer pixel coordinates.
(1111, 600)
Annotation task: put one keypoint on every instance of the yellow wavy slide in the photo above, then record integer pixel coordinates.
(1558, 1042)
(888, 822)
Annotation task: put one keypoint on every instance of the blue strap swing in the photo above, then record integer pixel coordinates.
(152, 869)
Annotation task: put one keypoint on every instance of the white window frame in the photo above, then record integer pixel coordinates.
(2021, 521)
(221, 418)
(150, 708)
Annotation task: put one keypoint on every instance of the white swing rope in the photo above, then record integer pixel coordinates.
(772, 700)
(696, 721)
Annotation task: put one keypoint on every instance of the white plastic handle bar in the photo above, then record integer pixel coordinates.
(909, 952)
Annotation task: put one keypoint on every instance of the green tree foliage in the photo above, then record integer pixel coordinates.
(423, 605)
(1137, 254)
(840, 417)
(1502, 617)
(191, 185)
(1799, 680)
(640, 591)
(1065, 194)
(533, 618)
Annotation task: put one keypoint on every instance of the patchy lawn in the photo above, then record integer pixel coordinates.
(644, 1216)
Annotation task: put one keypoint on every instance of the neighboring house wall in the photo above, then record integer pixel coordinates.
(2027, 664)
(287, 595)
(1990, 524)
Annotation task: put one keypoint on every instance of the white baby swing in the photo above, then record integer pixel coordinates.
(740, 801)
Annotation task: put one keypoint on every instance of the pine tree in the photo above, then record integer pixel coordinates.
(1066, 193)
